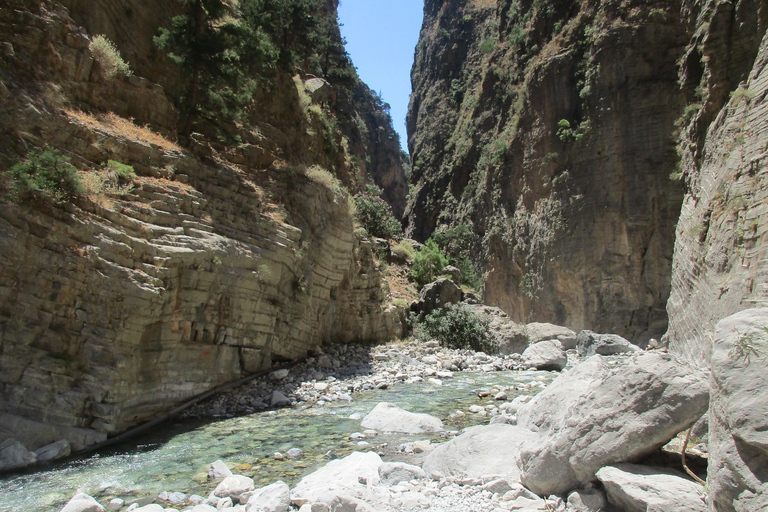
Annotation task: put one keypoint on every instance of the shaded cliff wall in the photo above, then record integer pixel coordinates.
(549, 128)
(221, 260)
(721, 250)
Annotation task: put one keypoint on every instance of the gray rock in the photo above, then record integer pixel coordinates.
(538, 332)
(511, 338)
(587, 500)
(54, 451)
(391, 473)
(319, 89)
(218, 471)
(589, 343)
(82, 503)
(737, 474)
(295, 453)
(635, 488)
(387, 417)
(14, 455)
(598, 414)
(452, 272)
(203, 507)
(278, 399)
(278, 374)
(437, 294)
(353, 472)
(546, 355)
(479, 451)
(272, 498)
(115, 504)
(235, 487)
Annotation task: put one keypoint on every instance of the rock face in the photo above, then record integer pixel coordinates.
(721, 249)
(219, 261)
(479, 451)
(437, 294)
(582, 425)
(548, 128)
(635, 488)
(738, 415)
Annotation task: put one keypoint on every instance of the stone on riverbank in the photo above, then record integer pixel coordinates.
(437, 294)
(738, 414)
(635, 488)
(598, 414)
(546, 355)
(589, 343)
(54, 451)
(391, 473)
(355, 471)
(218, 471)
(587, 500)
(14, 455)
(511, 338)
(538, 332)
(235, 487)
(479, 451)
(272, 498)
(82, 503)
(388, 417)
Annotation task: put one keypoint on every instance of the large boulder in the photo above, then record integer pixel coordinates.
(546, 355)
(82, 503)
(392, 473)
(272, 498)
(511, 338)
(738, 414)
(437, 294)
(479, 451)
(236, 487)
(599, 414)
(53, 451)
(352, 475)
(391, 418)
(542, 332)
(634, 488)
(14, 455)
(589, 343)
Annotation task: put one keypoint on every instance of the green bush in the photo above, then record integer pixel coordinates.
(375, 215)
(45, 175)
(121, 171)
(455, 326)
(428, 263)
(110, 61)
(457, 243)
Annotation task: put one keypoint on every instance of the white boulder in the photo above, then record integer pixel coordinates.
(272, 498)
(82, 503)
(235, 487)
(386, 417)
(546, 355)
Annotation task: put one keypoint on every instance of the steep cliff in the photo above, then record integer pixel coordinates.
(721, 249)
(216, 260)
(549, 127)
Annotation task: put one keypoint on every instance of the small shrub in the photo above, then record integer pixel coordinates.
(488, 46)
(404, 251)
(571, 133)
(455, 326)
(121, 171)
(107, 56)
(375, 216)
(428, 263)
(44, 174)
(326, 179)
(742, 94)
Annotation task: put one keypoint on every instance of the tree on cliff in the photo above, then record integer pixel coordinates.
(204, 44)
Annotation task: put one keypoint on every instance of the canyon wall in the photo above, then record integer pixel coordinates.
(550, 129)
(216, 262)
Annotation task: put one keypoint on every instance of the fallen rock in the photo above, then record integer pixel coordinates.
(272, 498)
(14, 455)
(278, 399)
(538, 332)
(235, 487)
(82, 503)
(354, 471)
(598, 414)
(437, 294)
(54, 451)
(589, 343)
(392, 473)
(546, 355)
(479, 451)
(510, 338)
(218, 471)
(388, 417)
(737, 474)
(635, 488)
(587, 500)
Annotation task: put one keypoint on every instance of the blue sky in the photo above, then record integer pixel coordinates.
(381, 37)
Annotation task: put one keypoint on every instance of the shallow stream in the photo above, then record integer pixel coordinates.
(176, 457)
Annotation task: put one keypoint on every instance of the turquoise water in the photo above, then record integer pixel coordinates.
(176, 456)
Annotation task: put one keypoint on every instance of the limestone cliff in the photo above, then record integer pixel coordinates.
(721, 249)
(549, 128)
(221, 258)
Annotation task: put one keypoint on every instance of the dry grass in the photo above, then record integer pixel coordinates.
(117, 126)
(400, 287)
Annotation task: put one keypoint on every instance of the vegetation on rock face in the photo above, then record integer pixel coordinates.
(45, 175)
(375, 215)
(455, 326)
(108, 58)
(428, 263)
